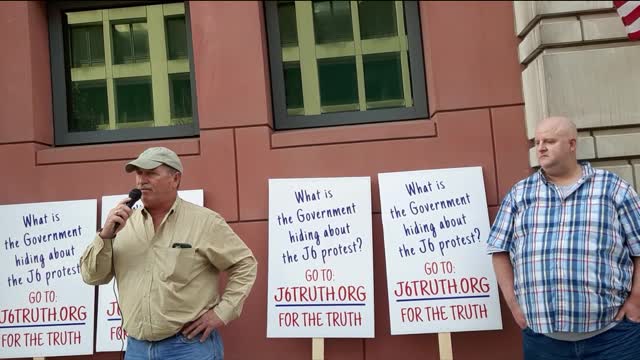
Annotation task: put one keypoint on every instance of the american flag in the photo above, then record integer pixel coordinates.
(629, 11)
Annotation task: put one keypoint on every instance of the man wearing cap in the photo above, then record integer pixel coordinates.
(167, 258)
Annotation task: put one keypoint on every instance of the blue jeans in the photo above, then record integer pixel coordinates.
(622, 342)
(176, 347)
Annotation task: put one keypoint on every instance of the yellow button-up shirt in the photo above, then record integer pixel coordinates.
(162, 287)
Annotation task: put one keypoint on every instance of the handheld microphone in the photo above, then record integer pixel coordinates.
(135, 194)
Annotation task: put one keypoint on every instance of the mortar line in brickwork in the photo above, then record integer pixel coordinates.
(235, 157)
(495, 160)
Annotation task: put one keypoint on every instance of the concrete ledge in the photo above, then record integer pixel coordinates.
(549, 32)
(596, 86)
(620, 167)
(533, 159)
(527, 13)
(602, 27)
(618, 142)
(586, 146)
(579, 29)
(636, 172)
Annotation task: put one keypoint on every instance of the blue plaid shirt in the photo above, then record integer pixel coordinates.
(571, 257)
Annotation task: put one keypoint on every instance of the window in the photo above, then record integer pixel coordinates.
(130, 43)
(180, 87)
(134, 101)
(121, 73)
(88, 47)
(89, 108)
(176, 38)
(345, 62)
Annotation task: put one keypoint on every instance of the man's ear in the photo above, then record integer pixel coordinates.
(573, 144)
(177, 177)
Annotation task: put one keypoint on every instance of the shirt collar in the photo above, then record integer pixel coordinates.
(175, 207)
(587, 173)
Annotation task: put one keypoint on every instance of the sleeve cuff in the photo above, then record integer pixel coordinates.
(494, 249)
(224, 313)
(100, 243)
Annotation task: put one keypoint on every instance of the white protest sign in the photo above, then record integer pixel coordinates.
(109, 333)
(45, 307)
(439, 277)
(320, 258)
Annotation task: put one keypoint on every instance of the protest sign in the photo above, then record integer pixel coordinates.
(439, 276)
(109, 333)
(45, 308)
(320, 258)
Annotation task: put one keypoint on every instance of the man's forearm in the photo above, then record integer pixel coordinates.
(504, 274)
(635, 285)
(241, 277)
(96, 262)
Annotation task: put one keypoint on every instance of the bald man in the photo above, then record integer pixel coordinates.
(565, 247)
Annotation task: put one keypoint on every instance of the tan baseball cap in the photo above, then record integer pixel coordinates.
(154, 157)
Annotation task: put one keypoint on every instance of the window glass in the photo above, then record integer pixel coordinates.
(338, 81)
(130, 43)
(176, 38)
(383, 79)
(332, 21)
(122, 46)
(180, 96)
(126, 69)
(89, 108)
(140, 41)
(293, 85)
(288, 30)
(377, 19)
(134, 100)
(333, 61)
(87, 48)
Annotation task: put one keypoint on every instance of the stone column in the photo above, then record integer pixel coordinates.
(578, 62)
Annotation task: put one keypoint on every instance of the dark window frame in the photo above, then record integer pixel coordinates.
(61, 76)
(284, 121)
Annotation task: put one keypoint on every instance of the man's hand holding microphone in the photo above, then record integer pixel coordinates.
(118, 215)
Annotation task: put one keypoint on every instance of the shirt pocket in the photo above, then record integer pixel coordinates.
(176, 264)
